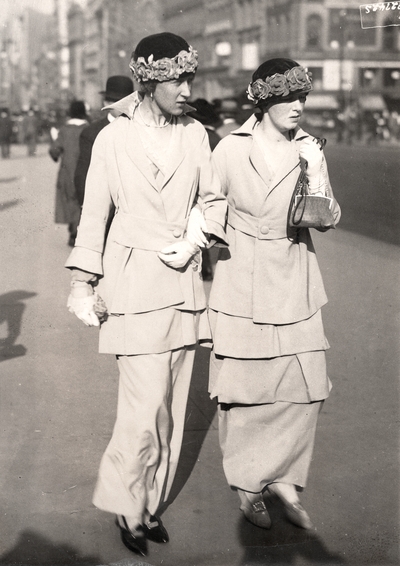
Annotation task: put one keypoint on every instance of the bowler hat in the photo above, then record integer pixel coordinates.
(117, 87)
(204, 112)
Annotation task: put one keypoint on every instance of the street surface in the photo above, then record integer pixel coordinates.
(58, 398)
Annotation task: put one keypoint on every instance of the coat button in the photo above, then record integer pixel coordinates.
(177, 233)
(264, 229)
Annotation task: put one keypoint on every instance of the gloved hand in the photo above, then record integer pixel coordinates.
(311, 152)
(81, 302)
(179, 254)
(196, 228)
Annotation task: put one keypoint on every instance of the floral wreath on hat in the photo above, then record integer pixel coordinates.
(166, 68)
(296, 78)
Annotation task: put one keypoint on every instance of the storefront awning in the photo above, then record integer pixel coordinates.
(372, 102)
(321, 102)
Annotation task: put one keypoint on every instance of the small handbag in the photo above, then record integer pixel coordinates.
(309, 211)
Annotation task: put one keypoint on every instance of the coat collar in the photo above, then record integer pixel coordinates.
(257, 158)
(129, 104)
(247, 129)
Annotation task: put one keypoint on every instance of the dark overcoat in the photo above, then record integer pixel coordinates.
(66, 147)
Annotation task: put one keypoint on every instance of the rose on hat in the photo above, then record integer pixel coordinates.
(278, 78)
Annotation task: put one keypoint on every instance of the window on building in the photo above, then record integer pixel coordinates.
(314, 27)
(223, 53)
(389, 36)
(345, 28)
(316, 76)
(250, 56)
(391, 77)
(368, 78)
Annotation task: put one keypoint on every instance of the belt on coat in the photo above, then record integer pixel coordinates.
(145, 233)
(256, 227)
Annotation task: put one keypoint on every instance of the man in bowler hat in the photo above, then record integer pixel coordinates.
(117, 87)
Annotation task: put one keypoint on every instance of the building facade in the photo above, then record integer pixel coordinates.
(352, 52)
(352, 55)
(109, 33)
(21, 46)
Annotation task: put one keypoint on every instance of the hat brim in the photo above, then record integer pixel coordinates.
(114, 96)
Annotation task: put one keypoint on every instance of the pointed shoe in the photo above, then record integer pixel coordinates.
(256, 513)
(154, 530)
(297, 515)
(134, 543)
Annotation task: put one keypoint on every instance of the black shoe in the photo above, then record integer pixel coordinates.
(154, 530)
(136, 544)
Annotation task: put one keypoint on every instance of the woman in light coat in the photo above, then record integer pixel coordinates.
(153, 164)
(268, 367)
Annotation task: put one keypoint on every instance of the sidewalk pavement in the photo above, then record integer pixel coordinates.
(58, 401)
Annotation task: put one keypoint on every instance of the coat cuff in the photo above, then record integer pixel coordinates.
(217, 233)
(86, 260)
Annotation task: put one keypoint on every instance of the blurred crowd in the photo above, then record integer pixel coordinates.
(29, 127)
(220, 116)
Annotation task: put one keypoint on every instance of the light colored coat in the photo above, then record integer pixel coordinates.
(148, 216)
(269, 273)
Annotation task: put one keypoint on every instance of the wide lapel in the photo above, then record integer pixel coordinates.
(260, 165)
(289, 163)
(136, 152)
(132, 142)
(178, 148)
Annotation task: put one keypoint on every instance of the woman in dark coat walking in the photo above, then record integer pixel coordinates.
(66, 146)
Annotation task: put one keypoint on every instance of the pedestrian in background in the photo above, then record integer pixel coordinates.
(205, 113)
(6, 132)
(228, 111)
(117, 87)
(66, 147)
(30, 125)
(268, 369)
(153, 164)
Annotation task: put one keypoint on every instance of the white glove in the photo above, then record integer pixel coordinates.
(196, 228)
(178, 255)
(81, 302)
(310, 150)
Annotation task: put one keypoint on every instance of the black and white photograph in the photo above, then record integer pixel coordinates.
(199, 283)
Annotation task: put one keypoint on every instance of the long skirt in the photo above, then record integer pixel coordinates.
(139, 464)
(270, 382)
(267, 443)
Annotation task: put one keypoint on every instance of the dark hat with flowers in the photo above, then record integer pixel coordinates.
(278, 79)
(162, 57)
